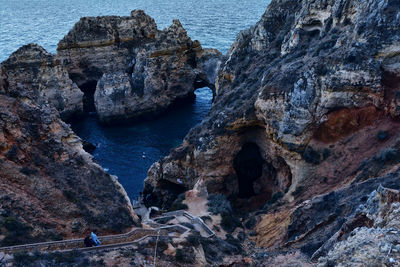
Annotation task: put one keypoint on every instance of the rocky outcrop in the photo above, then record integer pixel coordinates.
(129, 69)
(306, 104)
(376, 243)
(34, 72)
(49, 186)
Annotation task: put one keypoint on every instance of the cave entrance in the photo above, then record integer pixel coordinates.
(88, 88)
(248, 165)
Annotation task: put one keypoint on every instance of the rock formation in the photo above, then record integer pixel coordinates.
(129, 69)
(32, 71)
(297, 162)
(49, 186)
(306, 104)
(373, 243)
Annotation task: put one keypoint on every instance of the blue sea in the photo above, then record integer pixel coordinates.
(128, 152)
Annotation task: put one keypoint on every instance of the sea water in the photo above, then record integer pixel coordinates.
(129, 151)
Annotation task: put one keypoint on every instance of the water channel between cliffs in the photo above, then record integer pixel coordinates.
(129, 151)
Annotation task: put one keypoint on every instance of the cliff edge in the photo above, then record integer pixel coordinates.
(306, 105)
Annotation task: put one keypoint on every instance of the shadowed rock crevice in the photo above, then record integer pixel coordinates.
(261, 179)
(171, 192)
(248, 165)
(88, 89)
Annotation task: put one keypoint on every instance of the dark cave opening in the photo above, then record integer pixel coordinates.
(88, 89)
(248, 165)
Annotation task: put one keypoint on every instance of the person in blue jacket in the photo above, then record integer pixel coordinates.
(95, 238)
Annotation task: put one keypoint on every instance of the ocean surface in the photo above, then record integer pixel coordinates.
(128, 152)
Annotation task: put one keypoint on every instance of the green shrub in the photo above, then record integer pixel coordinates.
(70, 196)
(389, 154)
(251, 223)
(185, 256)
(28, 171)
(218, 204)
(311, 156)
(229, 222)
(275, 197)
(16, 232)
(73, 258)
(178, 205)
(326, 153)
(382, 135)
(233, 241)
(298, 190)
(194, 239)
(23, 259)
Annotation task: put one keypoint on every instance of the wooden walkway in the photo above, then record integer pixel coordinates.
(114, 241)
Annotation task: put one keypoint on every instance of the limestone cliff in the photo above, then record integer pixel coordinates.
(306, 104)
(32, 71)
(49, 186)
(129, 69)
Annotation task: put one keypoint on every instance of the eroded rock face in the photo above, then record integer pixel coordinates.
(133, 70)
(376, 243)
(34, 72)
(49, 186)
(313, 85)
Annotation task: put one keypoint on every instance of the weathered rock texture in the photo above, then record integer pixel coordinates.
(49, 186)
(376, 243)
(132, 69)
(306, 104)
(32, 71)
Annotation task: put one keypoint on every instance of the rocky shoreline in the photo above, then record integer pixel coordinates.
(296, 164)
(50, 187)
(130, 70)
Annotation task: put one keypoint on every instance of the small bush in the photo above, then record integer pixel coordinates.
(73, 258)
(23, 259)
(389, 154)
(250, 223)
(194, 239)
(275, 197)
(178, 205)
(12, 153)
(233, 241)
(326, 153)
(298, 190)
(28, 171)
(218, 204)
(185, 256)
(70, 196)
(311, 156)
(215, 249)
(229, 222)
(17, 232)
(382, 135)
